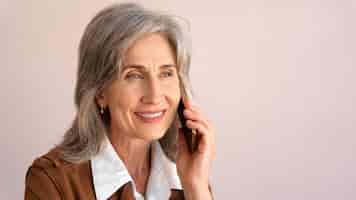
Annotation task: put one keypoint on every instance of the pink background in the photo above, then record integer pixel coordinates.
(277, 77)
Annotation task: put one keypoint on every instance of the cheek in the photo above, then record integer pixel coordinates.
(123, 98)
(172, 90)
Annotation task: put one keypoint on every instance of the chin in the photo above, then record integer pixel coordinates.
(151, 134)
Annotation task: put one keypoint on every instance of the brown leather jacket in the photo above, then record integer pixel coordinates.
(52, 178)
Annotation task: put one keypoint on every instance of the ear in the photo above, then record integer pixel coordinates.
(101, 99)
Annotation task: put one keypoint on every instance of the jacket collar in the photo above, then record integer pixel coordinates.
(110, 173)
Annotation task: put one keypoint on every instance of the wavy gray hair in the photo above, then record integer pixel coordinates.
(101, 51)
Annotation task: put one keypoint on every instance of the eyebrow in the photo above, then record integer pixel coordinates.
(143, 68)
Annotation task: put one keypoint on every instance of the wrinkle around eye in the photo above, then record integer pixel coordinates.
(164, 74)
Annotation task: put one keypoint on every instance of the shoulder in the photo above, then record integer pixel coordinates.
(51, 177)
(50, 164)
(50, 160)
(40, 177)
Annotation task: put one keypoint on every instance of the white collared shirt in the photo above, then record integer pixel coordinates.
(110, 173)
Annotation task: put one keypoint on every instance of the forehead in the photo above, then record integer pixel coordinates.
(151, 49)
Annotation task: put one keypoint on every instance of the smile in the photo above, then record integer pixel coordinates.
(150, 117)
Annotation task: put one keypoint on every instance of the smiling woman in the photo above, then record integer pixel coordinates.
(124, 142)
(142, 101)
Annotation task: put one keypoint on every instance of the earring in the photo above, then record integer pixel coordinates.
(101, 109)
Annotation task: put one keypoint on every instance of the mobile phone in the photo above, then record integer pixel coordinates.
(191, 138)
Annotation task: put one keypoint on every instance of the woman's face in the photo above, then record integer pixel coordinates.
(144, 98)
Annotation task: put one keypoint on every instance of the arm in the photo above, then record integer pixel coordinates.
(39, 185)
(198, 192)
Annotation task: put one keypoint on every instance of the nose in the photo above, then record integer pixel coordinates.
(153, 92)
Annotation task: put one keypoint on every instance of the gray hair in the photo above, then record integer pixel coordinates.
(101, 52)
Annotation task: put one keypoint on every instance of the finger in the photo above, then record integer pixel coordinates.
(198, 126)
(206, 136)
(196, 111)
(202, 130)
(188, 104)
(196, 116)
(199, 117)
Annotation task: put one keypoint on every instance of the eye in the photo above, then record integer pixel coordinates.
(134, 76)
(167, 73)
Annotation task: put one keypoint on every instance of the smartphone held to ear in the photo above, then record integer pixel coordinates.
(190, 137)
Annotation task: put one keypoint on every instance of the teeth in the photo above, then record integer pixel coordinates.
(151, 115)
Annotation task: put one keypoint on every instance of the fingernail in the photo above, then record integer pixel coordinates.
(187, 103)
(186, 112)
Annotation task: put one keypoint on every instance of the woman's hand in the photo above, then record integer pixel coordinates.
(194, 168)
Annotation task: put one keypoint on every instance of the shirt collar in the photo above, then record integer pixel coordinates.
(110, 173)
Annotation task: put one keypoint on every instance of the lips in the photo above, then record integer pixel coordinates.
(152, 111)
(151, 116)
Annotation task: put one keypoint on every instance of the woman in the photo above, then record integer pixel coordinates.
(125, 142)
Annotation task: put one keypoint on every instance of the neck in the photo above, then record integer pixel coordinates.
(135, 153)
